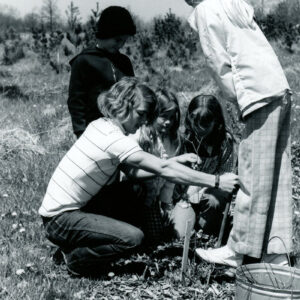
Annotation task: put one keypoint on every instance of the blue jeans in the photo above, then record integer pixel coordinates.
(100, 232)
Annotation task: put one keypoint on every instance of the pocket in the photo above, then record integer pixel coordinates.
(47, 223)
(56, 232)
(245, 165)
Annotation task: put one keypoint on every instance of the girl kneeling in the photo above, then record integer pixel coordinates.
(206, 135)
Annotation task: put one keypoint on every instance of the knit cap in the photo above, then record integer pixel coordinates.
(114, 21)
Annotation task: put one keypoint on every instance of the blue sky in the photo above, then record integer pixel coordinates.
(146, 9)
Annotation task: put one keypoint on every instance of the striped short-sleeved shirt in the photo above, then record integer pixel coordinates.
(90, 164)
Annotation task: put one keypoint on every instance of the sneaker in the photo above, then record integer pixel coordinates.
(276, 259)
(57, 257)
(230, 272)
(71, 271)
(223, 256)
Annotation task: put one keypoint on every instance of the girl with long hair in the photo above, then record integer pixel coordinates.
(162, 139)
(207, 136)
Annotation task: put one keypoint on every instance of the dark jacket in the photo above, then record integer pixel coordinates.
(223, 160)
(92, 72)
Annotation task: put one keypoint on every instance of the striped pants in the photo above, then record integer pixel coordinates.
(264, 202)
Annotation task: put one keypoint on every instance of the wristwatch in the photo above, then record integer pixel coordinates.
(217, 181)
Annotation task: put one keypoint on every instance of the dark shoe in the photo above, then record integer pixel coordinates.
(57, 257)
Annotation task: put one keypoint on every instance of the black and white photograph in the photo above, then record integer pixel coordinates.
(149, 149)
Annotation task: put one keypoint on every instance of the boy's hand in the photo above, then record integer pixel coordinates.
(229, 182)
(191, 158)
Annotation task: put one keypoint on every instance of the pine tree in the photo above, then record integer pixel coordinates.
(73, 16)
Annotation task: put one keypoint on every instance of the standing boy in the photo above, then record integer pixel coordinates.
(97, 68)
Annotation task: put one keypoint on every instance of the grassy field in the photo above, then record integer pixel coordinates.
(35, 133)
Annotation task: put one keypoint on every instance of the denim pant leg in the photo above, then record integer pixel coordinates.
(91, 240)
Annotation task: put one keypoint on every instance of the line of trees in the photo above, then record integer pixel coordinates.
(47, 19)
(168, 33)
(282, 22)
(277, 22)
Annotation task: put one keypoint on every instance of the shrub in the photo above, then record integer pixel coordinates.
(46, 45)
(145, 45)
(67, 51)
(174, 34)
(12, 91)
(12, 53)
(11, 34)
(13, 46)
(282, 23)
(166, 29)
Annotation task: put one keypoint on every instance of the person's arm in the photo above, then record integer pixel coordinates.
(76, 99)
(140, 174)
(213, 40)
(135, 173)
(132, 172)
(175, 172)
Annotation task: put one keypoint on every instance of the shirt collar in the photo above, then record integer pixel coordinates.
(119, 125)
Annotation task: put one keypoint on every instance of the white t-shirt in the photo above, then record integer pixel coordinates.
(91, 163)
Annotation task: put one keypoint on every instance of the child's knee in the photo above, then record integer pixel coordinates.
(130, 237)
